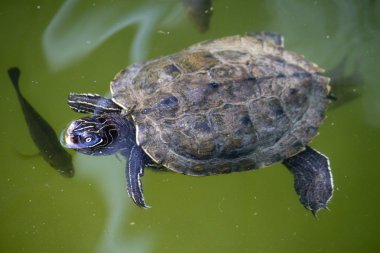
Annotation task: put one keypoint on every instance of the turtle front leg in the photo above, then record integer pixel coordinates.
(136, 162)
(313, 180)
(91, 103)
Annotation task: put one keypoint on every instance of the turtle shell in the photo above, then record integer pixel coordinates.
(229, 104)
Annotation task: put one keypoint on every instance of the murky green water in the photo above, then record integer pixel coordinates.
(63, 46)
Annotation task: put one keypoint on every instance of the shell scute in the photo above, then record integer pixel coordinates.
(270, 120)
(235, 132)
(193, 139)
(195, 61)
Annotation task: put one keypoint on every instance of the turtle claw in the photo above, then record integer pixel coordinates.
(134, 171)
(312, 178)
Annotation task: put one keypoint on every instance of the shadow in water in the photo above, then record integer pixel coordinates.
(42, 133)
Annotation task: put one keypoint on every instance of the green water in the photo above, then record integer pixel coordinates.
(64, 47)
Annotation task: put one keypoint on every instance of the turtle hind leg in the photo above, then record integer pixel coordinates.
(313, 180)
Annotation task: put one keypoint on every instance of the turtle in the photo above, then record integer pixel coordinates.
(231, 104)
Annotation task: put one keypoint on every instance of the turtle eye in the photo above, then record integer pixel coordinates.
(90, 140)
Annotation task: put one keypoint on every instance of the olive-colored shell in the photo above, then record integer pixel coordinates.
(230, 104)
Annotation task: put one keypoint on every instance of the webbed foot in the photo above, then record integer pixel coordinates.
(313, 180)
(136, 162)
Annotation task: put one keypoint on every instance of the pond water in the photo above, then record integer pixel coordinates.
(67, 46)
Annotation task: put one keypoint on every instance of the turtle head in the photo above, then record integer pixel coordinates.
(102, 134)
